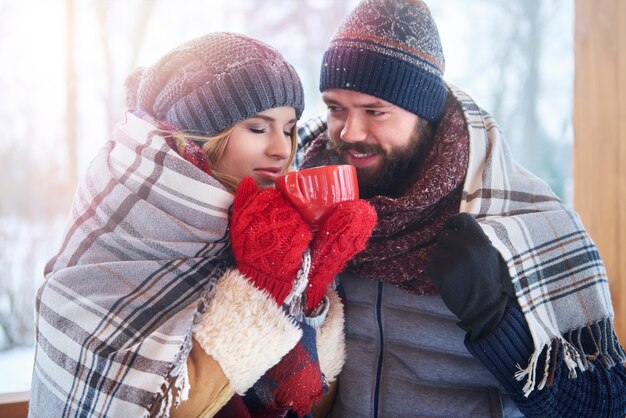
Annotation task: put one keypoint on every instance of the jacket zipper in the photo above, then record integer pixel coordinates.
(379, 367)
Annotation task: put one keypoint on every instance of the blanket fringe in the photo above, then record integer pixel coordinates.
(607, 350)
(179, 375)
(182, 385)
(571, 357)
(178, 379)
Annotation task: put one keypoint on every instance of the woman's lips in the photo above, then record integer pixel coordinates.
(270, 173)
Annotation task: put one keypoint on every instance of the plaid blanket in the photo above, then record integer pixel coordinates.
(559, 279)
(558, 276)
(145, 243)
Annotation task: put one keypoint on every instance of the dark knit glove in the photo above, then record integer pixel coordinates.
(340, 237)
(470, 275)
(268, 238)
(294, 384)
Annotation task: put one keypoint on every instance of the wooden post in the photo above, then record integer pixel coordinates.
(600, 137)
(14, 405)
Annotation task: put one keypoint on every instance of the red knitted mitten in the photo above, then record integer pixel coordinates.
(294, 383)
(268, 238)
(342, 235)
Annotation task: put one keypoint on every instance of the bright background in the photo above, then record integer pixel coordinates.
(514, 57)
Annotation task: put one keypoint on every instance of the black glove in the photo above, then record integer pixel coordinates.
(470, 275)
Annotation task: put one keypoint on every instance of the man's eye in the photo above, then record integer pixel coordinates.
(374, 112)
(333, 108)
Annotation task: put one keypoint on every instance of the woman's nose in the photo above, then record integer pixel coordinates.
(280, 146)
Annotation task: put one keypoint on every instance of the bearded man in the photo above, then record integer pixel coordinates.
(480, 294)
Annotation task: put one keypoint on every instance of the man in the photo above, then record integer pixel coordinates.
(464, 237)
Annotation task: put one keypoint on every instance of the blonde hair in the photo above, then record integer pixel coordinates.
(214, 147)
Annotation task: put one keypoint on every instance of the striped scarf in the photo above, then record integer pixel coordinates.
(145, 242)
(559, 279)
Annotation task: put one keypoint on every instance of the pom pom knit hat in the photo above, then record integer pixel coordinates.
(210, 83)
(389, 49)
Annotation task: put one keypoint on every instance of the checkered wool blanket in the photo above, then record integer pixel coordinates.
(558, 276)
(145, 243)
(559, 279)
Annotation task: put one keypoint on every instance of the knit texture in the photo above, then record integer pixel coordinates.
(470, 275)
(597, 393)
(212, 82)
(389, 49)
(407, 226)
(268, 238)
(297, 376)
(295, 383)
(340, 237)
(244, 331)
(558, 275)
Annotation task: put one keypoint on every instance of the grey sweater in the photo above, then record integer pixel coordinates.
(406, 358)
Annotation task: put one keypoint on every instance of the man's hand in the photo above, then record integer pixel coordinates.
(470, 275)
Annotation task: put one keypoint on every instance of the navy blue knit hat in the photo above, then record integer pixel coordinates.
(389, 49)
(210, 83)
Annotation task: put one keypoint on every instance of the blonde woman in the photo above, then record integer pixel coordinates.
(147, 309)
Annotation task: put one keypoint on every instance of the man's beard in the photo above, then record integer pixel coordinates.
(398, 169)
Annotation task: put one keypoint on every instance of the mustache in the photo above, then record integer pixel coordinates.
(360, 147)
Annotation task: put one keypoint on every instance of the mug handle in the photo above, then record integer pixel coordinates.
(294, 192)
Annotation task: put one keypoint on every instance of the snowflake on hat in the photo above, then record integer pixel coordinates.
(397, 22)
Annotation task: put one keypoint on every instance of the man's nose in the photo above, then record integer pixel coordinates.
(354, 130)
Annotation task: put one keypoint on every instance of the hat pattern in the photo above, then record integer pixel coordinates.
(389, 49)
(210, 83)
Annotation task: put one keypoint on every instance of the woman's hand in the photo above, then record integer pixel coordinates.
(340, 237)
(268, 238)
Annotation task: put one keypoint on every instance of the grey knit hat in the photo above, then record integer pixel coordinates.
(389, 49)
(210, 83)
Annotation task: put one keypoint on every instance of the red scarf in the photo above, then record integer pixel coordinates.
(402, 242)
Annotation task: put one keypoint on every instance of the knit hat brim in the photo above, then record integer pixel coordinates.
(213, 82)
(232, 98)
(389, 49)
(407, 86)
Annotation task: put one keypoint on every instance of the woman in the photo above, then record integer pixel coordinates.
(145, 310)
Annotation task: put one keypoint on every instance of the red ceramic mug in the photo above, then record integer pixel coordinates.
(315, 191)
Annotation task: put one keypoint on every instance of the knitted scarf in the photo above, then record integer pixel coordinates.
(407, 227)
(145, 243)
(558, 276)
